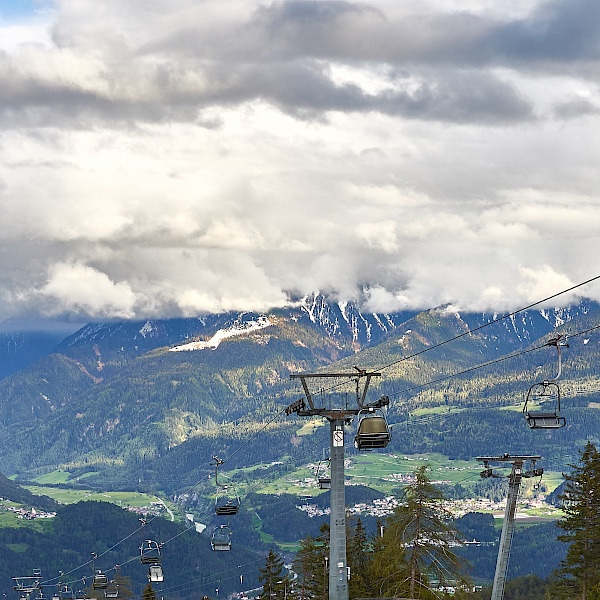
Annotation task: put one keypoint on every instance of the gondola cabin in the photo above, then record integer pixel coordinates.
(548, 394)
(373, 431)
(155, 574)
(221, 538)
(149, 552)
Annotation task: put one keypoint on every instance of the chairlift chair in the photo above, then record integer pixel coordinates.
(324, 483)
(155, 574)
(221, 538)
(112, 591)
(546, 392)
(372, 431)
(149, 552)
(66, 593)
(100, 581)
(226, 505)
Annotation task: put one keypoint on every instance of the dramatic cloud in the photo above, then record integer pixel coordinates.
(166, 158)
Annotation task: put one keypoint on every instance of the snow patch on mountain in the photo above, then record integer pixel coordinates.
(238, 328)
(147, 329)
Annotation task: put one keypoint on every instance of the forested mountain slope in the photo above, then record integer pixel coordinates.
(108, 404)
(191, 569)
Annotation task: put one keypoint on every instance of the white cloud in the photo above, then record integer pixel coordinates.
(169, 158)
(84, 290)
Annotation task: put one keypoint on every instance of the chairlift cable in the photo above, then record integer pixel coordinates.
(478, 328)
(484, 364)
(89, 562)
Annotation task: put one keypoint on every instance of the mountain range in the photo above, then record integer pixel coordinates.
(150, 402)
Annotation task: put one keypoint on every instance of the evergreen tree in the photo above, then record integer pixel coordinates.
(422, 533)
(579, 573)
(149, 593)
(359, 556)
(310, 566)
(388, 571)
(272, 579)
(124, 586)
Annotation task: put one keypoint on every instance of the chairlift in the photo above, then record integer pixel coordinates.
(155, 574)
(221, 538)
(372, 431)
(323, 481)
(488, 472)
(546, 393)
(226, 504)
(112, 591)
(100, 581)
(149, 552)
(66, 593)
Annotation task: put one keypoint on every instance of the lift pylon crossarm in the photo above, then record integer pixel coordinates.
(507, 458)
(356, 376)
(27, 584)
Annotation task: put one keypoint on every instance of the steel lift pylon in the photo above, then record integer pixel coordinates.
(508, 527)
(337, 417)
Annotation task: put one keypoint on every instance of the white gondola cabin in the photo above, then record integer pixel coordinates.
(155, 574)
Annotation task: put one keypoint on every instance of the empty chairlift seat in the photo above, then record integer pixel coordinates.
(226, 505)
(100, 581)
(149, 552)
(66, 593)
(373, 431)
(324, 483)
(546, 393)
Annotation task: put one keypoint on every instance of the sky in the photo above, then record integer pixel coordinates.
(165, 158)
